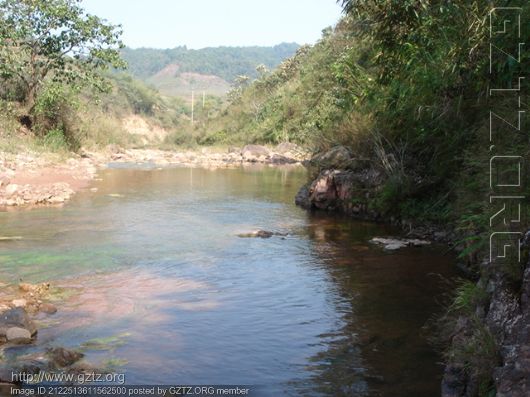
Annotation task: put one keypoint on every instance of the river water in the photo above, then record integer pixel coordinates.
(158, 286)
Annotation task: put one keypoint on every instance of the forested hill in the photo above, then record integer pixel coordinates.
(224, 62)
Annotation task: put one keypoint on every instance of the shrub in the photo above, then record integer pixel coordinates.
(55, 141)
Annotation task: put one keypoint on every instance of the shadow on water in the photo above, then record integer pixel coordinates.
(384, 299)
(160, 283)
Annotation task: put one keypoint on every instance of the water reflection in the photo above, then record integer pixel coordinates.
(385, 299)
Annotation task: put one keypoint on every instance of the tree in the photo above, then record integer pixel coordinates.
(55, 39)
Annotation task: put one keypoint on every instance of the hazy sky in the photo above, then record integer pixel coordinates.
(207, 23)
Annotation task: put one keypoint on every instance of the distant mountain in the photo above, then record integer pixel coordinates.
(179, 70)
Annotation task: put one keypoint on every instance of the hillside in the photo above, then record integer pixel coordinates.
(179, 70)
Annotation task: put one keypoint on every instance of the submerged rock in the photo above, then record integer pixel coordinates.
(62, 357)
(393, 244)
(261, 234)
(47, 308)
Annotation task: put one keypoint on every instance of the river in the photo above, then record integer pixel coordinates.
(159, 286)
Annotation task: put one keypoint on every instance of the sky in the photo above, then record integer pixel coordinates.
(212, 23)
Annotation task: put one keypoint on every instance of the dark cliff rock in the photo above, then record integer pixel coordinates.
(506, 318)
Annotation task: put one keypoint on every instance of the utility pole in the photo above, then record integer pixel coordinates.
(192, 105)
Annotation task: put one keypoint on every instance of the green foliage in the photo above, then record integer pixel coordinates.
(467, 296)
(55, 39)
(54, 112)
(55, 141)
(296, 102)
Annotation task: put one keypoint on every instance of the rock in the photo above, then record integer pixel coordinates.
(261, 234)
(441, 235)
(345, 191)
(31, 364)
(454, 381)
(302, 198)
(48, 308)
(392, 244)
(36, 289)
(26, 287)
(18, 335)
(5, 378)
(11, 190)
(4, 180)
(19, 302)
(506, 317)
(16, 317)
(62, 357)
(279, 159)
(253, 152)
(323, 192)
(287, 147)
(114, 149)
(337, 158)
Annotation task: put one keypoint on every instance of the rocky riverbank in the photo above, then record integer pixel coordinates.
(488, 347)
(340, 182)
(20, 307)
(37, 178)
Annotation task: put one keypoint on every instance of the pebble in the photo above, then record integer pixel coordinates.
(19, 302)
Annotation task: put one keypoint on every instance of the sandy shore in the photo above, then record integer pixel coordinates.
(31, 178)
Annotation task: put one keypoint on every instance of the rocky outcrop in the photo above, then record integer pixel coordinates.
(339, 183)
(337, 158)
(505, 317)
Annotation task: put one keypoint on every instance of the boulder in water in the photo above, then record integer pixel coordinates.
(16, 317)
(18, 335)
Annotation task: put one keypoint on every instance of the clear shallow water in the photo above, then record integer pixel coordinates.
(158, 272)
